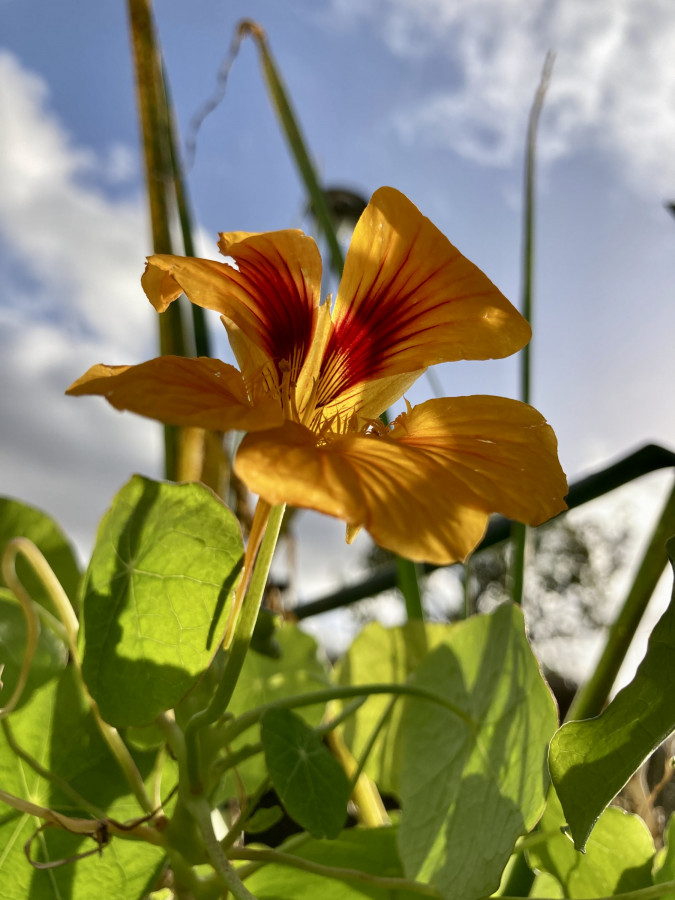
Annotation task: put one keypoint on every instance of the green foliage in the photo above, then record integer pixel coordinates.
(664, 869)
(308, 779)
(439, 763)
(156, 596)
(618, 856)
(470, 787)
(365, 850)
(20, 520)
(591, 760)
(50, 657)
(264, 679)
(56, 731)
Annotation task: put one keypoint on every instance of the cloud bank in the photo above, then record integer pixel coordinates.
(71, 257)
(613, 85)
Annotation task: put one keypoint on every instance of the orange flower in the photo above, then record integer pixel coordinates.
(312, 382)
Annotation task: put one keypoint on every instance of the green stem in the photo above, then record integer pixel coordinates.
(348, 711)
(252, 716)
(519, 531)
(238, 649)
(154, 128)
(297, 144)
(224, 764)
(238, 826)
(201, 811)
(518, 557)
(29, 611)
(367, 750)
(407, 576)
(592, 697)
(355, 875)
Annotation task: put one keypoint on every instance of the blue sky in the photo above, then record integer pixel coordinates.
(430, 96)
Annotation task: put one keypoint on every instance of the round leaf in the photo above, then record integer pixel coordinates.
(157, 593)
(308, 779)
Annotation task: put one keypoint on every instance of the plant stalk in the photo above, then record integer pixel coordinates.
(592, 697)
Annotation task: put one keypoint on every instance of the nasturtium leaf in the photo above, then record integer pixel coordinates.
(20, 520)
(368, 850)
(384, 655)
(51, 654)
(263, 679)
(309, 780)
(545, 885)
(664, 868)
(471, 783)
(156, 596)
(591, 760)
(56, 729)
(618, 856)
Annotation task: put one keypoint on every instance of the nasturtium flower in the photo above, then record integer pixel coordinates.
(314, 378)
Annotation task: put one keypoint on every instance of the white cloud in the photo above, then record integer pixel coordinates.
(613, 85)
(71, 297)
(82, 251)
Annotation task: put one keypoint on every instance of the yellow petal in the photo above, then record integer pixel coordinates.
(425, 489)
(203, 392)
(271, 293)
(500, 453)
(408, 299)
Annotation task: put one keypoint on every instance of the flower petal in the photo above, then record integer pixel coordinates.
(425, 489)
(179, 391)
(271, 294)
(408, 299)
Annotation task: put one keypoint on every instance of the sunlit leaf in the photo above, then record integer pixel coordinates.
(308, 779)
(156, 596)
(20, 520)
(591, 760)
(57, 731)
(380, 654)
(298, 670)
(618, 856)
(470, 788)
(363, 849)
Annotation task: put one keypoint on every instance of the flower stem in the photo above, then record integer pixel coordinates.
(248, 598)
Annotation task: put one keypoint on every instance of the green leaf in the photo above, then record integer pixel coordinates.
(384, 655)
(263, 679)
(618, 856)
(664, 869)
(310, 782)
(157, 592)
(20, 520)
(51, 654)
(591, 760)
(56, 729)
(546, 885)
(370, 850)
(470, 788)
